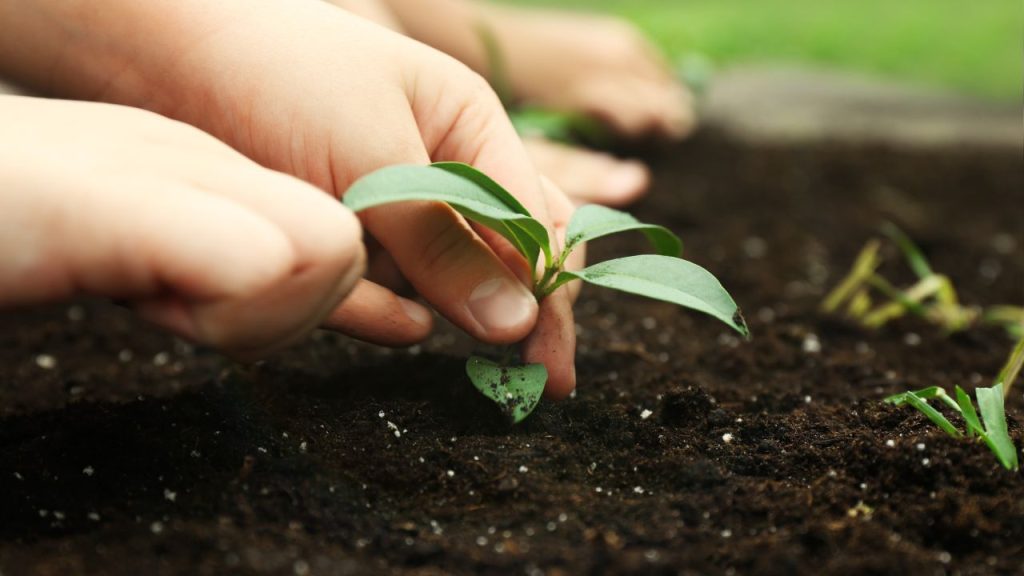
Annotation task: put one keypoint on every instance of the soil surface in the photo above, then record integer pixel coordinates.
(684, 451)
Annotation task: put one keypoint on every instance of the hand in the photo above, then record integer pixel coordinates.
(561, 60)
(307, 89)
(119, 202)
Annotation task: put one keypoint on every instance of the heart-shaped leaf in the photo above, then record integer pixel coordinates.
(516, 389)
(591, 221)
(665, 278)
(468, 191)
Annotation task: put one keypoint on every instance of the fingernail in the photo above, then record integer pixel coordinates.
(500, 304)
(415, 312)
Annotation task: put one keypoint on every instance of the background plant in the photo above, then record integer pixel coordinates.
(663, 276)
(933, 297)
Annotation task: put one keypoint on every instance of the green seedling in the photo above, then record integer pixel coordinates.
(994, 433)
(517, 388)
(932, 297)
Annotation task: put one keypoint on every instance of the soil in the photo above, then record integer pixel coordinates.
(684, 451)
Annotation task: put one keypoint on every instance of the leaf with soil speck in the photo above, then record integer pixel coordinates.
(516, 389)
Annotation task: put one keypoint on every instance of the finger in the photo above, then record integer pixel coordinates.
(588, 176)
(375, 314)
(553, 344)
(446, 262)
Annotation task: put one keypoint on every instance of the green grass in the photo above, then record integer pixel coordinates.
(973, 47)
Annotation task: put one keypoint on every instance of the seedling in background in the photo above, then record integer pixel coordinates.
(932, 297)
(994, 433)
(517, 388)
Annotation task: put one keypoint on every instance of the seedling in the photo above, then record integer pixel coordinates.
(517, 388)
(932, 297)
(994, 433)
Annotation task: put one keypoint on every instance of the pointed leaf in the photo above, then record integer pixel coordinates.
(974, 427)
(915, 258)
(990, 402)
(665, 278)
(591, 221)
(536, 233)
(932, 414)
(471, 198)
(516, 389)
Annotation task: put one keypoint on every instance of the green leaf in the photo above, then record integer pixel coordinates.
(664, 278)
(924, 394)
(974, 427)
(990, 402)
(915, 258)
(591, 221)
(932, 414)
(516, 389)
(470, 196)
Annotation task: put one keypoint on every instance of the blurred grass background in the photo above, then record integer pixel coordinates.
(971, 46)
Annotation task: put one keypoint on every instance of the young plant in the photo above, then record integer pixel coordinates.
(932, 297)
(663, 276)
(994, 433)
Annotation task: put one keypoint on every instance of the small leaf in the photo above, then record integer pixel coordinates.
(516, 389)
(664, 278)
(932, 414)
(925, 394)
(974, 427)
(591, 221)
(990, 402)
(915, 258)
(468, 196)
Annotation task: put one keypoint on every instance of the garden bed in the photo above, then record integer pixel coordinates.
(685, 449)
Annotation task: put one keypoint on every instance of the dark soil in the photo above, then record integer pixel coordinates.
(136, 454)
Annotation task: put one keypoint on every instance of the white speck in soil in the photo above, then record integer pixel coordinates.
(261, 449)
(911, 339)
(170, 495)
(649, 323)
(562, 517)
(303, 446)
(88, 471)
(1004, 243)
(598, 490)
(481, 540)
(727, 438)
(380, 414)
(726, 533)
(450, 473)
(645, 414)
(18, 476)
(46, 361)
(76, 313)
(945, 557)
(811, 344)
(58, 514)
(156, 527)
(890, 443)
(523, 469)
(832, 474)
(765, 315)
(863, 486)
(300, 568)
(44, 513)
(93, 516)
(551, 526)
(638, 489)
(161, 359)
(920, 447)
(925, 461)
(862, 348)
(754, 247)
(652, 555)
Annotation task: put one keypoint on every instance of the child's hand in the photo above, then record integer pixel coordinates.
(119, 202)
(562, 60)
(307, 89)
